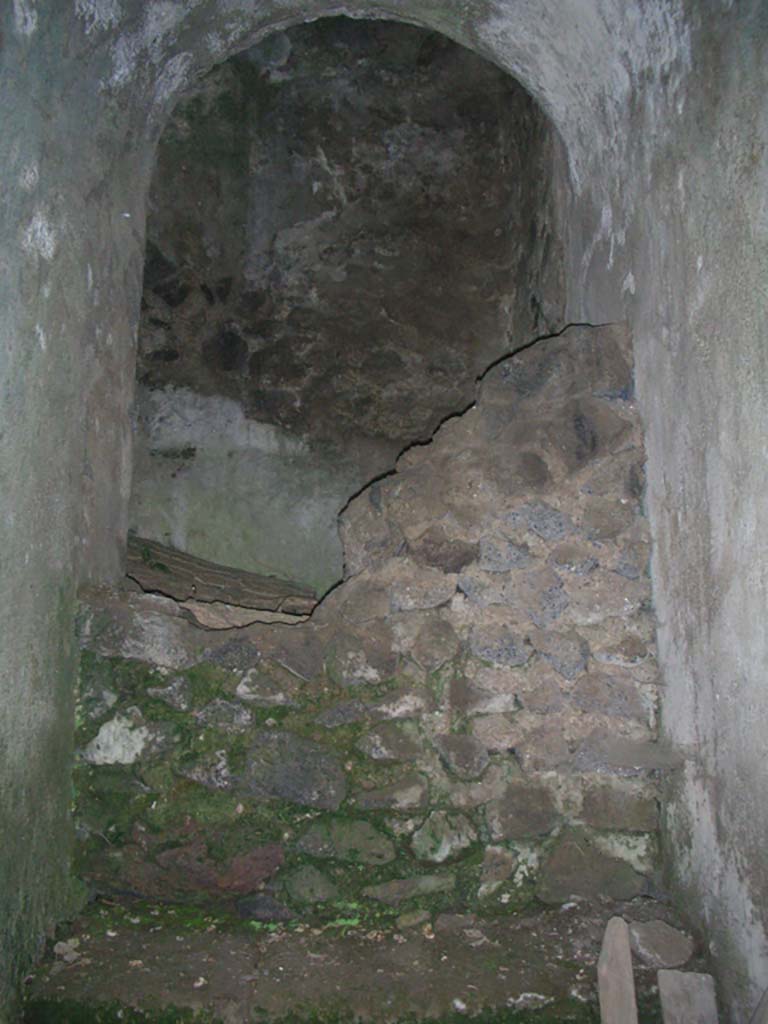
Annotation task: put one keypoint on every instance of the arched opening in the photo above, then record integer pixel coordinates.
(347, 224)
(355, 276)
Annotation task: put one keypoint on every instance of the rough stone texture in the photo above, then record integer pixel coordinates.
(576, 867)
(659, 944)
(667, 231)
(347, 840)
(608, 806)
(401, 889)
(523, 812)
(443, 837)
(281, 765)
(308, 885)
(465, 756)
(687, 998)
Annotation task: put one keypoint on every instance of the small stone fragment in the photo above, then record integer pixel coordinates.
(248, 871)
(442, 837)
(615, 981)
(436, 643)
(389, 742)
(620, 805)
(567, 653)
(499, 865)
(658, 944)
(500, 646)
(356, 841)
(67, 951)
(436, 549)
(464, 755)
(344, 713)
(576, 867)
(308, 885)
(544, 520)
(292, 768)
(118, 741)
(687, 998)
(524, 812)
(496, 732)
(499, 554)
(225, 715)
(408, 794)
(420, 588)
(401, 889)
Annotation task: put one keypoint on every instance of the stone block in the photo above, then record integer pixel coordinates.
(407, 794)
(499, 554)
(399, 890)
(622, 806)
(566, 652)
(658, 944)
(525, 811)
(389, 742)
(463, 755)
(443, 837)
(499, 645)
(497, 733)
(413, 588)
(354, 841)
(574, 866)
(308, 885)
(434, 548)
(436, 643)
(287, 767)
(687, 998)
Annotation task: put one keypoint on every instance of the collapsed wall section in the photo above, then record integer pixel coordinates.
(468, 720)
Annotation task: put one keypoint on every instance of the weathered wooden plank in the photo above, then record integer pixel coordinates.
(615, 981)
(163, 570)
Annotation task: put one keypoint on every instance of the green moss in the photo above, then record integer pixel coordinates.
(70, 1011)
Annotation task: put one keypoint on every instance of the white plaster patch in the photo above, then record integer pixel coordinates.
(29, 177)
(178, 417)
(98, 14)
(172, 78)
(628, 284)
(118, 741)
(41, 338)
(40, 238)
(639, 851)
(24, 17)
(151, 40)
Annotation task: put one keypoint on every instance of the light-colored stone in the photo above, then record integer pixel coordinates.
(121, 740)
(687, 998)
(615, 980)
(658, 944)
(442, 837)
